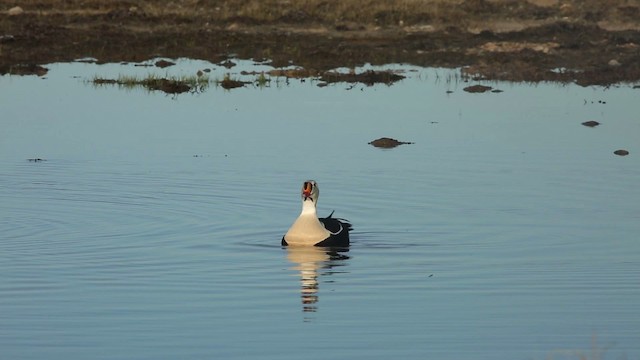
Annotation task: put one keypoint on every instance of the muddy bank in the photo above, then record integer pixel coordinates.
(587, 42)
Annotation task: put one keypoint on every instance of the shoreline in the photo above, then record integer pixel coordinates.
(519, 40)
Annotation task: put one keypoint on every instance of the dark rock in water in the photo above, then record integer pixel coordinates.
(387, 143)
(227, 63)
(591, 123)
(621, 152)
(228, 83)
(164, 63)
(477, 89)
(167, 85)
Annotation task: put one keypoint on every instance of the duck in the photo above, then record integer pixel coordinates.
(309, 230)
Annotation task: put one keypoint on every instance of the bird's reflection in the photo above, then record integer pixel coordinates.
(311, 263)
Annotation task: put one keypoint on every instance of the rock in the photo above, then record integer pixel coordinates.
(15, 11)
(164, 63)
(387, 143)
(228, 83)
(477, 89)
(621, 152)
(227, 63)
(591, 123)
(7, 39)
(168, 86)
(614, 62)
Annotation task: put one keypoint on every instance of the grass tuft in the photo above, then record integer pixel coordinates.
(169, 85)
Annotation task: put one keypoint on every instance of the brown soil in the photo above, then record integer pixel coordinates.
(586, 41)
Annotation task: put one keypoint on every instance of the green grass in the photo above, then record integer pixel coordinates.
(168, 84)
(176, 85)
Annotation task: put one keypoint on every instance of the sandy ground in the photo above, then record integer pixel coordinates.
(588, 42)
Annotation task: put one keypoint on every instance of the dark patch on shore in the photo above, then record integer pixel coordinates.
(23, 69)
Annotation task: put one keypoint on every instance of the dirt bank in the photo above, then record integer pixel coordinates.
(589, 42)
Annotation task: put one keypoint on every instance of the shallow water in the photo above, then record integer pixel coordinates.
(152, 230)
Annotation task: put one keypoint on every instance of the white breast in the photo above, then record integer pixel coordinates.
(306, 230)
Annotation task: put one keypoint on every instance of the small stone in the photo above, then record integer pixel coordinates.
(614, 62)
(7, 39)
(387, 143)
(15, 11)
(227, 63)
(591, 123)
(477, 89)
(621, 152)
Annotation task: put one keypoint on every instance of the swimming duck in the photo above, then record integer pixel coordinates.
(309, 230)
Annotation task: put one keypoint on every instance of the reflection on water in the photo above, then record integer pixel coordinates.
(311, 263)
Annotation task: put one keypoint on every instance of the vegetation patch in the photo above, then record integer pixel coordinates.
(369, 77)
(169, 85)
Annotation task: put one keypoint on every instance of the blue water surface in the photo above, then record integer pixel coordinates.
(152, 227)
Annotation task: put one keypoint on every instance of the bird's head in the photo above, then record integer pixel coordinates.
(310, 191)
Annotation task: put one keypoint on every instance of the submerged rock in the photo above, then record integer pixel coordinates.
(387, 143)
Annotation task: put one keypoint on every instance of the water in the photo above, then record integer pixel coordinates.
(152, 230)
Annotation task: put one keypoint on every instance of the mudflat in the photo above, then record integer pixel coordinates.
(587, 42)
